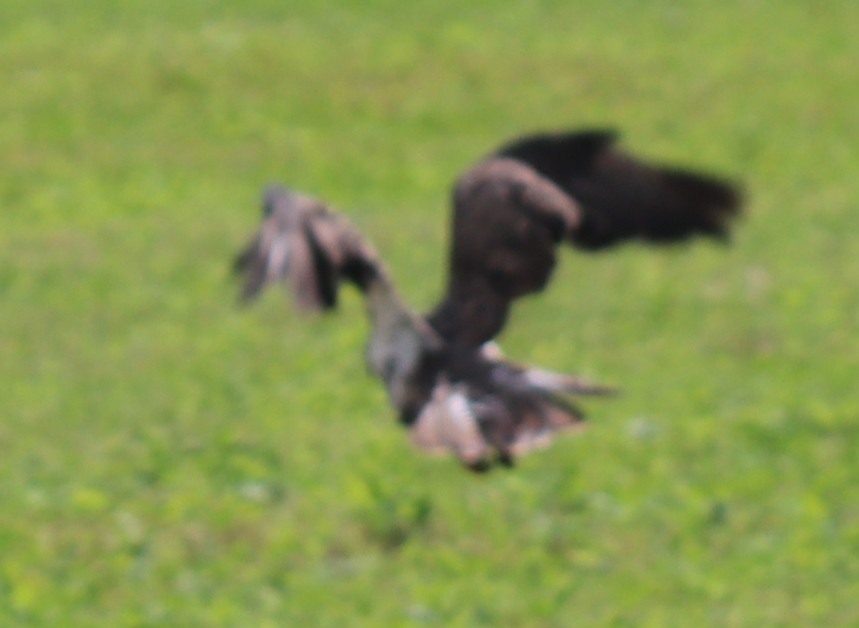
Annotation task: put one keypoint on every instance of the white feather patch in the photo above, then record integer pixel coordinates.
(448, 424)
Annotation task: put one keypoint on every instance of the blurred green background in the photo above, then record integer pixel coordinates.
(169, 459)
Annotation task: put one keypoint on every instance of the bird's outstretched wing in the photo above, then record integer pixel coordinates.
(454, 398)
(623, 197)
(307, 245)
(512, 209)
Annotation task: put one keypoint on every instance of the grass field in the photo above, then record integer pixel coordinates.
(169, 459)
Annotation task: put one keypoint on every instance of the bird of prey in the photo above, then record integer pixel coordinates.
(443, 374)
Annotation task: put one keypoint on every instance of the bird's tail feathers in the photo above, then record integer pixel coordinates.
(553, 382)
(551, 415)
(487, 431)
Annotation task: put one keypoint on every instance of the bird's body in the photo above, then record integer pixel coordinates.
(511, 211)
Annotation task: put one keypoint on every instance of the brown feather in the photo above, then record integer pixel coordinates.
(305, 243)
(511, 211)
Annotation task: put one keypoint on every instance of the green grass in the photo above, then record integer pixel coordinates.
(167, 459)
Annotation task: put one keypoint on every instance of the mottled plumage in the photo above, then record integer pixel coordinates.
(454, 391)
(514, 207)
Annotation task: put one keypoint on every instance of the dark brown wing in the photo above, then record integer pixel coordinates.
(507, 221)
(624, 198)
(307, 245)
(511, 210)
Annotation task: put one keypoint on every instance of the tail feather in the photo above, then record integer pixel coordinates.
(532, 425)
(553, 382)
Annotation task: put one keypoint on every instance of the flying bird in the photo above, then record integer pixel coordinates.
(443, 373)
